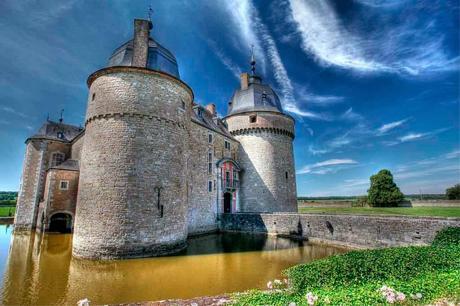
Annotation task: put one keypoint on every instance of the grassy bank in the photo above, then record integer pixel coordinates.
(404, 211)
(7, 211)
(403, 275)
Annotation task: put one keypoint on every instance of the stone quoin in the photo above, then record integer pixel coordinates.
(151, 166)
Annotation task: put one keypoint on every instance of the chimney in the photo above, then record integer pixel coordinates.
(211, 107)
(244, 81)
(141, 42)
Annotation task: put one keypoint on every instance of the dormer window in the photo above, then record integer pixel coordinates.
(60, 135)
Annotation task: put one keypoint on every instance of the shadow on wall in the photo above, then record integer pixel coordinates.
(253, 204)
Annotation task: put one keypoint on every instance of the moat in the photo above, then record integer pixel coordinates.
(39, 269)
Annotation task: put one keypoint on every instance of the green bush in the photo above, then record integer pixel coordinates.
(7, 202)
(453, 193)
(449, 236)
(355, 278)
(383, 192)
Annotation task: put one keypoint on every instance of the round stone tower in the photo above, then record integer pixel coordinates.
(132, 199)
(256, 119)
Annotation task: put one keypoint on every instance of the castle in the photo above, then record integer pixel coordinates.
(151, 166)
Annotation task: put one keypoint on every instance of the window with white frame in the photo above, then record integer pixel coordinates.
(57, 158)
(63, 185)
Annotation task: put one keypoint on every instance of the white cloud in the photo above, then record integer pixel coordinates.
(453, 154)
(228, 63)
(350, 115)
(14, 112)
(405, 49)
(326, 166)
(390, 126)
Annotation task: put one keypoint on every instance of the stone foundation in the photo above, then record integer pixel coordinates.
(345, 230)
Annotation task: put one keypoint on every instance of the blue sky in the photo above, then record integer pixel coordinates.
(372, 84)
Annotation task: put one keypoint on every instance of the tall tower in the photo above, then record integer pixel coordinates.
(256, 119)
(132, 199)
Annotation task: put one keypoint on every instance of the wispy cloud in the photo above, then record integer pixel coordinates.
(390, 126)
(350, 115)
(326, 166)
(406, 49)
(414, 136)
(13, 111)
(228, 63)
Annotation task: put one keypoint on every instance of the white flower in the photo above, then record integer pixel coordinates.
(270, 285)
(311, 298)
(400, 296)
(84, 302)
(292, 304)
(277, 282)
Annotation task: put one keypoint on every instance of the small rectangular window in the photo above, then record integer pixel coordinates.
(227, 145)
(253, 119)
(210, 168)
(209, 186)
(286, 175)
(93, 97)
(209, 138)
(64, 185)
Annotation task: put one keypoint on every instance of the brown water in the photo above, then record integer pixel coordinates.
(39, 269)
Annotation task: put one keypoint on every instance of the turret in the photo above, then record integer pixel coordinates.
(132, 199)
(256, 119)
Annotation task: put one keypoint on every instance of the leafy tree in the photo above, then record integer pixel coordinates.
(453, 193)
(383, 191)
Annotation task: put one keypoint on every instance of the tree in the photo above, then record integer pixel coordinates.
(453, 193)
(383, 191)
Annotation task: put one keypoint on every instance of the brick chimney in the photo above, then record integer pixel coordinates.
(141, 42)
(244, 81)
(211, 107)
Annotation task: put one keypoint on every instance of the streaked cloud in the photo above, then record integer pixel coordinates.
(414, 136)
(226, 61)
(13, 111)
(390, 126)
(326, 166)
(406, 48)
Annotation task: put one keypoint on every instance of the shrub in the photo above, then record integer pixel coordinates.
(453, 193)
(449, 236)
(383, 191)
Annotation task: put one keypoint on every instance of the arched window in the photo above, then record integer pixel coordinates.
(57, 158)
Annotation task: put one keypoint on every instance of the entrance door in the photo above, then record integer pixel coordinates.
(227, 202)
(61, 223)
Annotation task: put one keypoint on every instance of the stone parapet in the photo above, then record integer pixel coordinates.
(349, 230)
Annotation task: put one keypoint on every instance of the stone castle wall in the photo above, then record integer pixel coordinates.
(77, 145)
(36, 162)
(135, 140)
(348, 230)
(202, 208)
(265, 153)
(57, 200)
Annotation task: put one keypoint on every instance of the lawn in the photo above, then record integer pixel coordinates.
(6, 211)
(396, 211)
(403, 275)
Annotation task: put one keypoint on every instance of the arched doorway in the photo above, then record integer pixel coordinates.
(61, 223)
(227, 202)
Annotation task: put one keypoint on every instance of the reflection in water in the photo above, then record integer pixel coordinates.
(40, 269)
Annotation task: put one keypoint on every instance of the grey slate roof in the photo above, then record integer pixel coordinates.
(159, 58)
(58, 131)
(203, 117)
(257, 97)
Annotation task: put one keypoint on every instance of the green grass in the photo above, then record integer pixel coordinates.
(5, 211)
(355, 278)
(404, 211)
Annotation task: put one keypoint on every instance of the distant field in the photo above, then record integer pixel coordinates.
(7, 211)
(404, 211)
